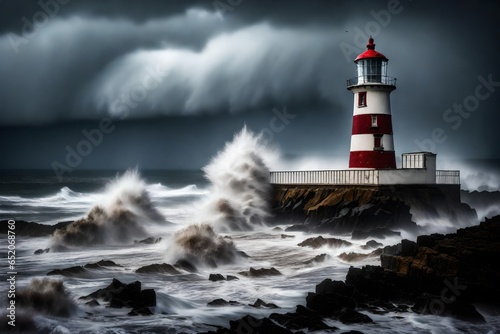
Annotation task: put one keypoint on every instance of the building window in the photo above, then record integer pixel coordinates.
(362, 99)
(377, 142)
(374, 121)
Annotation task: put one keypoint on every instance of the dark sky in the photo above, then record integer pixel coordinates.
(178, 78)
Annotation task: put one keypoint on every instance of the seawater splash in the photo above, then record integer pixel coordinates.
(240, 187)
(199, 244)
(46, 296)
(125, 207)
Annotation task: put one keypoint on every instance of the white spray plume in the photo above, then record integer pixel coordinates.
(240, 183)
(125, 207)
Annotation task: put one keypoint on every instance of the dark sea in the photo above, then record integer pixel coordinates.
(181, 198)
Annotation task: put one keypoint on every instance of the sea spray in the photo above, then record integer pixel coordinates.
(46, 296)
(199, 244)
(121, 216)
(240, 186)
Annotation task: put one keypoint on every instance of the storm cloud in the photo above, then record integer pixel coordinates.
(157, 62)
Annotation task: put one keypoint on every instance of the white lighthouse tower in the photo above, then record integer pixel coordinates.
(372, 144)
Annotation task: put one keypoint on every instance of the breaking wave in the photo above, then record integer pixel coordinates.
(119, 218)
(240, 187)
(46, 296)
(199, 244)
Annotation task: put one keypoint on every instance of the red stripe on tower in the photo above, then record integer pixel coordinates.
(372, 144)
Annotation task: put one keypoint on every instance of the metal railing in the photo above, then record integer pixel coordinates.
(369, 177)
(447, 177)
(372, 79)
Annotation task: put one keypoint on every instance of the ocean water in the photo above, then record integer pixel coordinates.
(227, 196)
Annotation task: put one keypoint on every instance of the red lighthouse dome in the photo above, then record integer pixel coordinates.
(370, 53)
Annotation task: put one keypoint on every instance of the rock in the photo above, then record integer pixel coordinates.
(437, 305)
(354, 257)
(32, 229)
(372, 244)
(41, 251)
(93, 303)
(301, 319)
(260, 303)
(186, 265)
(277, 229)
(148, 241)
(216, 277)
(320, 241)
(72, 271)
(260, 272)
(284, 236)
(249, 324)
(221, 302)
(120, 295)
(374, 232)
(350, 316)
(231, 278)
(366, 210)
(101, 264)
(155, 268)
(317, 259)
(140, 311)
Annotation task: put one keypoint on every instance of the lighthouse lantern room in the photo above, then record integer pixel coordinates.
(372, 144)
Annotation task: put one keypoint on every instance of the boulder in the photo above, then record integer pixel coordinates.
(249, 324)
(320, 242)
(101, 264)
(216, 277)
(71, 271)
(260, 303)
(260, 272)
(156, 268)
(119, 295)
(148, 241)
(221, 302)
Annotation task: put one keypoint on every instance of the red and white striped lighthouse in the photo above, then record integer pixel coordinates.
(372, 145)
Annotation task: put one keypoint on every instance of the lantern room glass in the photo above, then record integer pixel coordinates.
(371, 70)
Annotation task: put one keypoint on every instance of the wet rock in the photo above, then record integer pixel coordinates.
(140, 311)
(101, 264)
(437, 305)
(372, 244)
(350, 316)
(186, 265)
(148, 241)
(277, 229)
(216, 277)
(221, 302)
(72, 271)
(320, 241)
(260, 272)
(260, 303)
(374, 232)
(41, 251)
(120, 295)
(317, 259)
(155, 268)
(32, 229)
(93, 303)
(284, 236)
(231, 278)
(301, 319)
(354, 257)
(250, 324)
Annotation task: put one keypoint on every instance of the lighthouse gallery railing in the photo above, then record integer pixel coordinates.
(350, 177)
(371, 79)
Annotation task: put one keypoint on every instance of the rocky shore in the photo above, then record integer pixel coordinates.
(443, 275)
(367, 211)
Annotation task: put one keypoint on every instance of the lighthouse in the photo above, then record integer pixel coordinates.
(372, 144)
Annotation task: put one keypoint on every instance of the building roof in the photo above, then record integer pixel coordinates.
(370, 53)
